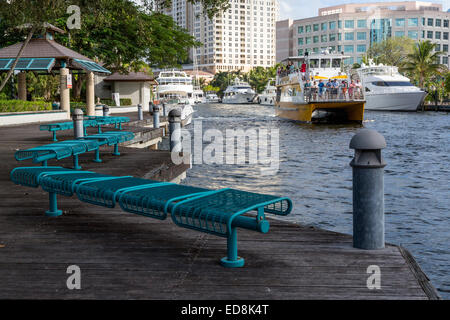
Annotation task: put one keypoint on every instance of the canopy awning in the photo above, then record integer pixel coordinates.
(28, 64)
(90, 66)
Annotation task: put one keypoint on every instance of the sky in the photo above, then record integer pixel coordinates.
(298, 9)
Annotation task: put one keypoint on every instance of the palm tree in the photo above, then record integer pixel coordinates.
(423, 62)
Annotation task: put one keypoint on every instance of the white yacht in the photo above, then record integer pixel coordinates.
(175, 90)
(212, 97)
(386, 89)
(267, 97)
(198, 96)
(239, 93)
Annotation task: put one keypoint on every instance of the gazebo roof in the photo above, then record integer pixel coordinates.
(45, 50)
(132, 76)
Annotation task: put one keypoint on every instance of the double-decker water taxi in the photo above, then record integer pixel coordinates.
(315, 88)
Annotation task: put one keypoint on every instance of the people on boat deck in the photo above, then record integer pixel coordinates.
(322, 88)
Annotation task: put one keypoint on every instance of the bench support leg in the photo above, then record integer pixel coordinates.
(97, 156)
(120, 125)
(99, 129)
(85, 131)
(232, 260)
(53, 212)
(44, 163)
(116, 150)
(54, 136)
(76, 166)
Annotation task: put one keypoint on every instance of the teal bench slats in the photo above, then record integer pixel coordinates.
(109, 120)
(53, 127)
(217, 212)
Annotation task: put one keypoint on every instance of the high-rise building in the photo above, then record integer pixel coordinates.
(240, 38)
(353, 28)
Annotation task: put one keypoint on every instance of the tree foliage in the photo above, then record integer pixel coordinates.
(391, 52)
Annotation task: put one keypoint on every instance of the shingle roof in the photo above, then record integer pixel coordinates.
(132, 76)
(41, 48)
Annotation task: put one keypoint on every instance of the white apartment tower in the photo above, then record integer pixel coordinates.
(240, 38)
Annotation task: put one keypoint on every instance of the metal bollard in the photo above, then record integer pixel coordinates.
(150, 107)
(175, 130)
(368, 189)
(105, 111)
(156, 117)
(140, 112)
(164, 110)
(78, 126)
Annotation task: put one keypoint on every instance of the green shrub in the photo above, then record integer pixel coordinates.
(21, 106)
(111, 103)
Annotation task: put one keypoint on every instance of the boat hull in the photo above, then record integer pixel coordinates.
(266, 100)
(239, 98)
(349, 111)
(401, 101)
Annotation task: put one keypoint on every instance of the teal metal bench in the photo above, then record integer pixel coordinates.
(89, 121)
(217, 212)
(54, 127)
(73, 148)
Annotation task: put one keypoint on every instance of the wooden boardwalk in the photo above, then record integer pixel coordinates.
(125, 256)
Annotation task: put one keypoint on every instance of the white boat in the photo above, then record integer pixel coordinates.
(198, 96)
(175, 90)
(239, 93)
(212, 97)
(386, 89)
(268, 96)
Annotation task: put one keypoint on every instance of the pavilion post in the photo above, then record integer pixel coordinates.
(65, 92)
(90, 95)
(22, 85)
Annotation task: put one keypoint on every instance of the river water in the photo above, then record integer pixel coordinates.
(314, 172)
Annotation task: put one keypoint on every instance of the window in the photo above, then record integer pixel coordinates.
(348, 49)
(400, 22)
(437, 35)
(316, 50)
(300, 41)
(348, 61)
(332, 25)
(362, 24)
(445, 47)
(361, 35)
(399, 34)
(300, 29)
(445, 60)
(323, 38)
(361, 48)
(316, 39)
(307, 29)
(412, 34)
(429, 34)
(332, 37)
(349, 36)
(315, 27)
(423, 21)
(445, 23)
(339, 36)
(423, 33)
(308, 40)
(339, 24)
(430, 22)
(300, 52)
(445, 35)
(413, 22)
(349, 24)
(437, 23)
(323, 26)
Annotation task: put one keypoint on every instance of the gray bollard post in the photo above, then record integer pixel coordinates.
(164, 110)
(150, 107)
(175, 130)
(368, 189)
(156, 116)
(105, 110)
(78, 127)
(140, 112)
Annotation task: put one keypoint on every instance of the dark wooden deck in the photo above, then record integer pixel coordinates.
(125, 256)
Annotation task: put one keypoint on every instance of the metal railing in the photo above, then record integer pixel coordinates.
(333, 94)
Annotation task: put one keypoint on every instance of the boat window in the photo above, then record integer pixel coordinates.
(325, 63)
(392, 84)
(314, 63)
(336, 63)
